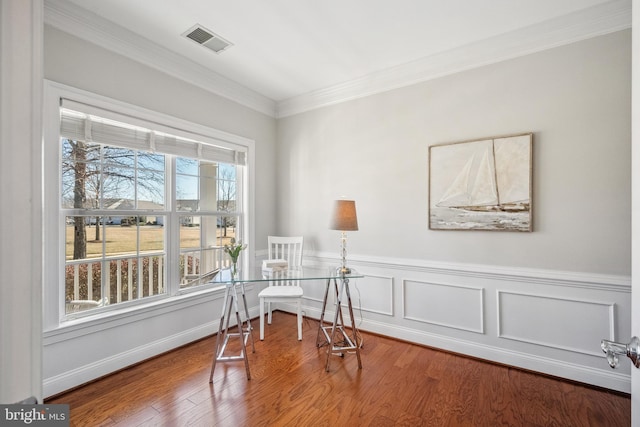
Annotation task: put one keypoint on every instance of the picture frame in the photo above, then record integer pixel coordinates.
(482, 184)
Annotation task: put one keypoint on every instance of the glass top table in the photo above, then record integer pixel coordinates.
(327, 335)
(291, 273)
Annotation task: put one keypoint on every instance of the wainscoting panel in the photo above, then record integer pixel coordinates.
(545, 321)
(453, 306)
(555, 322)
(313, 290)
(373, 294)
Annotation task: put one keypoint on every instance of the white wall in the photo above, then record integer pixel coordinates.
(540, 300)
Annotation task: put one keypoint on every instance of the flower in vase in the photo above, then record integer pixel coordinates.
(234, 249)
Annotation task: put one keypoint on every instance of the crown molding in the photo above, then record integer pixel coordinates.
(591, 22)
(88, 26)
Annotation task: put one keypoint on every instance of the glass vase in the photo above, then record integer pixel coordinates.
(234, 270)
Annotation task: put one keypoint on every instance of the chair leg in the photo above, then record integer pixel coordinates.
(299, 320)
(262, 319)
(269, 313)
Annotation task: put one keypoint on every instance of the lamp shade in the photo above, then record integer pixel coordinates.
(344, 216)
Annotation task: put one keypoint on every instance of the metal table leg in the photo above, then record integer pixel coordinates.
(223, 336)
(330, 332)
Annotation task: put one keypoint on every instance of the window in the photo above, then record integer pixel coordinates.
(145, 208)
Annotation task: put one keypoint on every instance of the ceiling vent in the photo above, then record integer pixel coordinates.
(207, 38)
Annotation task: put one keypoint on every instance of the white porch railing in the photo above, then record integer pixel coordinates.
(127, 278)
(134, 277)
(199, 264)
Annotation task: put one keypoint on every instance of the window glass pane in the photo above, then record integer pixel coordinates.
(189, 231)
(198, 186)
(80, 174)
(187, 193)
(83, 237)
(83, 289)
(119, 188)
(121, 240)
(151, 161)
(76, 237)
(68, 180)
(226, 188)
(114, 156)
(202, 240)
(151, 192)
(151, 181)
(190, 253)
(152, 235)
(208, 170)
(208, 188)
(185, 166)
(187, 184)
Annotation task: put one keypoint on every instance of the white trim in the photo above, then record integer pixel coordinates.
(21, 218)
(607, 282)
(591, 22)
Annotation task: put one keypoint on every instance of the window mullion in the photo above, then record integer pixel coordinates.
(172, 232)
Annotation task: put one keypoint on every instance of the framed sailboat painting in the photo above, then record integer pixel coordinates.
(481, 184)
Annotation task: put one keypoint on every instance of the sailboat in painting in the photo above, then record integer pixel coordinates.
(493, 178)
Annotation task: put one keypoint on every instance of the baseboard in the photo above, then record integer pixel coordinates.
(608, 379)
(90, 372)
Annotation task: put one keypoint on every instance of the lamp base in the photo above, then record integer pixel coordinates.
(343, 270)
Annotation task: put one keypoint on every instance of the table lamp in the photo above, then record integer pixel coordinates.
(344, 219)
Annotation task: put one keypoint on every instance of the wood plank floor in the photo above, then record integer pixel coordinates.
(400, 385)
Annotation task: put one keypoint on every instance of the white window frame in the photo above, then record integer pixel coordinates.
(53, 253)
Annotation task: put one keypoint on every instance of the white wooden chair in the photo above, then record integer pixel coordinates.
(289, 249)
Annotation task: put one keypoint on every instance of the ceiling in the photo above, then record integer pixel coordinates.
(293, 55)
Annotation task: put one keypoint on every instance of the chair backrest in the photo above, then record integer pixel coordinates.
(287, 248)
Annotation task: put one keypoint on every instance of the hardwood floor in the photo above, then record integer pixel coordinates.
(400, 385)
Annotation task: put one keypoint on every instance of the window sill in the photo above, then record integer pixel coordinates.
(159, 306)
